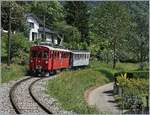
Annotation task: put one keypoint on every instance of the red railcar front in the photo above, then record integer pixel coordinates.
(45, 59)
(39, 59)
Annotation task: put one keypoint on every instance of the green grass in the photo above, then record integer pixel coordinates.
(69, 88)
(12, 72)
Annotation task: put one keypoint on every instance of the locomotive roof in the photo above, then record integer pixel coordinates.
(52, 48)
(65, 50)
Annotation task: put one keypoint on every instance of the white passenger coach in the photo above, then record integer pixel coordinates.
(80, 58)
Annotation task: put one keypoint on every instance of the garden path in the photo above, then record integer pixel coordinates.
(102, 98)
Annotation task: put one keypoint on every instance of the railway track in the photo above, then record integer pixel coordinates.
(22, 99)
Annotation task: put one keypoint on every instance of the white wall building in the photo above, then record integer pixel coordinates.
(34, 27)
(37, 30)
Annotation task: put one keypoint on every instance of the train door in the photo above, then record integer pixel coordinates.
(50, 60)
(70, 60)
(45, 59)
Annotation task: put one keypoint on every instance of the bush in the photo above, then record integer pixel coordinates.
(12, 72)
(133, 90)
(134, 74)
(133, 86)
(19, 48)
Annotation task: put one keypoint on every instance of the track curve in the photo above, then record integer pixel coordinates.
(11, 95)
(36, 100)
(21, 97)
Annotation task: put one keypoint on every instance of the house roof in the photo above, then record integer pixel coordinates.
(41, 29)
(35, 17)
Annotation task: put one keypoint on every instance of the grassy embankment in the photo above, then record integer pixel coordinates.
(12, 72)
(69, 86)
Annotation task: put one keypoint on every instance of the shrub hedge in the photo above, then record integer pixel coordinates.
(133, 91)
(134, 74)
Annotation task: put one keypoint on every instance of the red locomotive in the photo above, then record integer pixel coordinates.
(46, 59)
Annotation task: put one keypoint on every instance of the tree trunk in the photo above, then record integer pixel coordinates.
(141, 55)
(9, 36)
(107, 56)
(114, 56)
(44, 29)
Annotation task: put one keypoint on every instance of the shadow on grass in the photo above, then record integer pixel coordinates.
(108, 74)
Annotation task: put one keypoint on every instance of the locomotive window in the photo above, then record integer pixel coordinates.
(39, 54)
(66, 55)
(45, 54)
(34, 54)
(57, 54)
(54, 54)
(63, 55)
(50, 54)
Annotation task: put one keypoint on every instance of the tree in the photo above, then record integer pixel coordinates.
(71, 35)
(111, 21)
(138, 37)
(52, 10)
(17, 16)
(77, 15)
(12, 19)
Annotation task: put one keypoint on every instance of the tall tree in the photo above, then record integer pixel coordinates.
(111, 21)
(138, 37)
(17, 16)
(12, 19)
(77, 15)
(51, 10)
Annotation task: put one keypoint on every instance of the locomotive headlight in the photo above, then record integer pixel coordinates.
(46, 62)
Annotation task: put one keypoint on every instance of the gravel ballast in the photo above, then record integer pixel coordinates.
(5, 104)
(23, 100)
(39, 92)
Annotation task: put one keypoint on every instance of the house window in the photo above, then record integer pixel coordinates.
(34, 36)
(31, 25)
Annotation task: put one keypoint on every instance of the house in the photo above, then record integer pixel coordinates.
(37, 30)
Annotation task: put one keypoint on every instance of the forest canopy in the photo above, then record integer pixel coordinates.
(111, 31)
